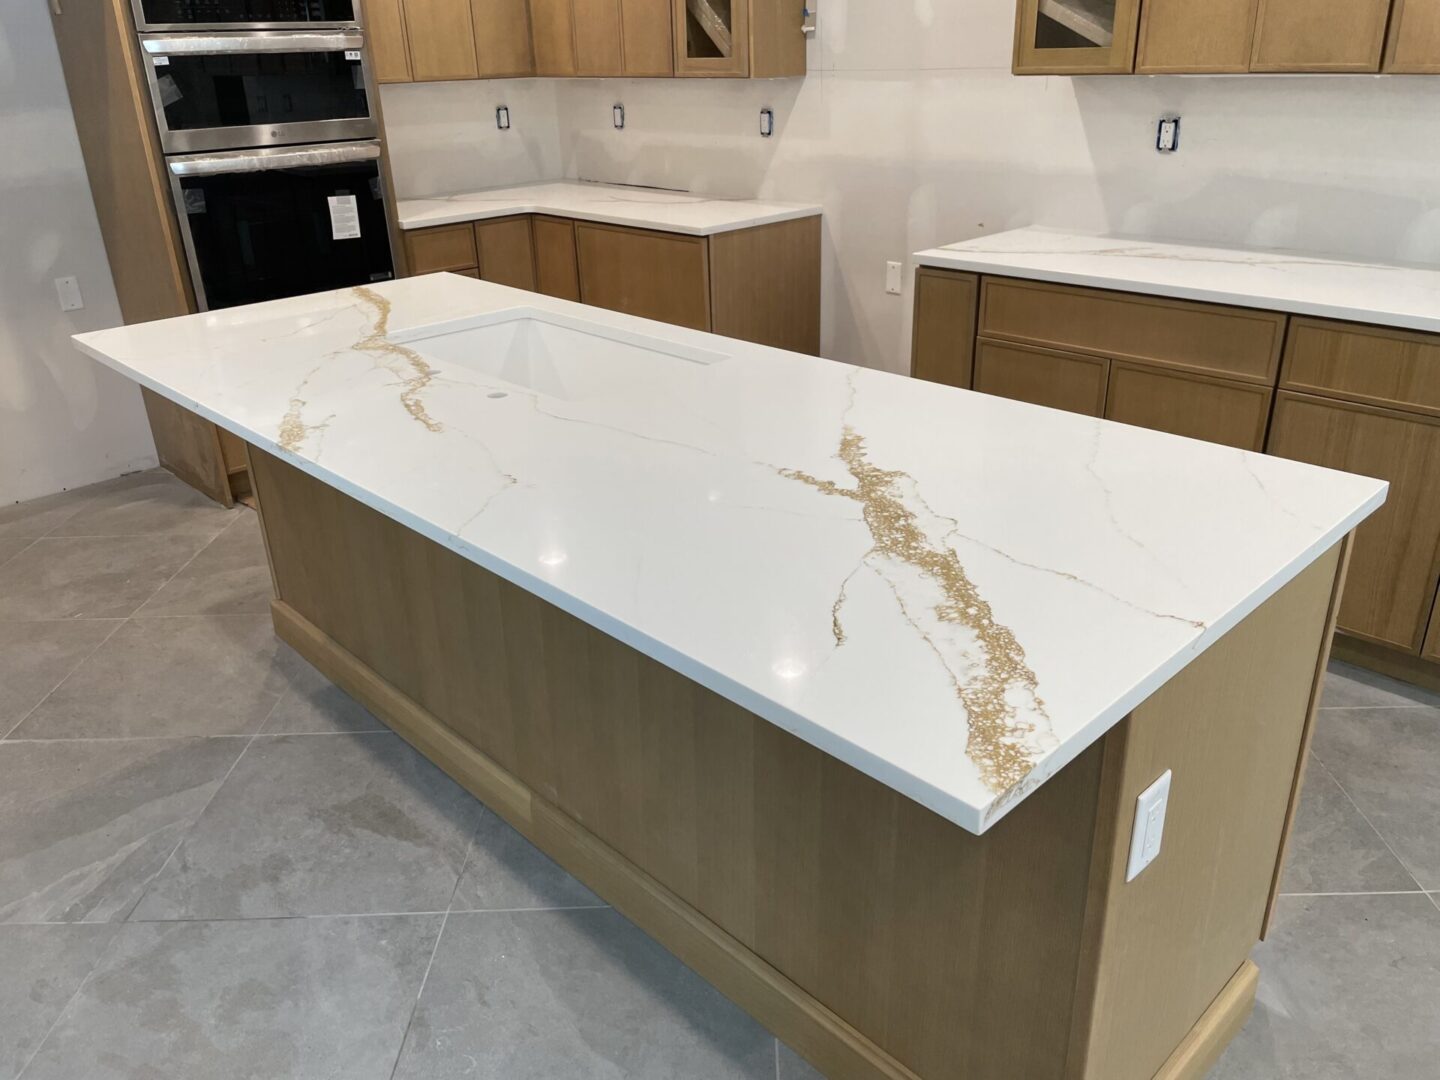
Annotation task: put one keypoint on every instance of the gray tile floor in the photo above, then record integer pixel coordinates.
(213, 864)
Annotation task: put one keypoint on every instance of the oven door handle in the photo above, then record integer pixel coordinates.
(287, 157)
(256, 42)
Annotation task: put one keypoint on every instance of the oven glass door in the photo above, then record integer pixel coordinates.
(220, 92)
(265, 224)
(256, 14)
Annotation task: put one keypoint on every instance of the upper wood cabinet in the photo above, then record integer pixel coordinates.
(441, 39)
(1186, 36)
(712, 37)
(648, 39)
(1076, 36)
(599, 48)
(1081, 37)
(389, 47)
(1320, 35)
(502, 38)
(552, 22)
(1414, 46)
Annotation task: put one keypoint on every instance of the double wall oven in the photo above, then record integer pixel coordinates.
(266, 115)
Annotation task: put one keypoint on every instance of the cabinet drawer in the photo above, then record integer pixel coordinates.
(1393, 571)
(1234, 342)
(1198, 407)
(1042, 377)
(651, 274)
(449, 247)
(943, 345)
(1396, 368)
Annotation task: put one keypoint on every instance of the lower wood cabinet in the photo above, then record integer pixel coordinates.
(759, 284)
(1432, 642)
(1230, 413)
(1390, 593)
(943, 346)
(1055, 380)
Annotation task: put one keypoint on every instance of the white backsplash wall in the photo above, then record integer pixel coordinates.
(912, 132)
(64, 420)
(442, 137)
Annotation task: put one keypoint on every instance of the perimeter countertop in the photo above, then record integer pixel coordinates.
(954, 593)
(1382, 294)
(611, 204)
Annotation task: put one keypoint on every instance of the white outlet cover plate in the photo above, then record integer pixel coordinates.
(68, 289)
(1149, 827)
(893, 272)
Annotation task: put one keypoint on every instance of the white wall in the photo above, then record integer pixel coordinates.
(912, 132)
(64, 421)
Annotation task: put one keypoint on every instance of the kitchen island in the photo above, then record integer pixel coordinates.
(841, 685)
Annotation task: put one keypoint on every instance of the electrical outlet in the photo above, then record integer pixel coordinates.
(767, 122)
(68, 289)
(502, 117)
(1149, 826)
(617, 113)
(894, 278)
(1167, 135)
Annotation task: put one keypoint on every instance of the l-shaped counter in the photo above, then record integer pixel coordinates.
(792, 660)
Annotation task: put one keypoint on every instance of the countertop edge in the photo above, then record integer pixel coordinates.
(992, 264)
(460, 217)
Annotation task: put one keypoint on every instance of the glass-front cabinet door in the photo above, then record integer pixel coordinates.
(712, 37)
(1075, 37)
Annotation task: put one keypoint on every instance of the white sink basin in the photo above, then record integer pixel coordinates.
(552, 354)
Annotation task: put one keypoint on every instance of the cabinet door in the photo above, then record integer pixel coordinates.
(553, 26)
(598, 49)
(1197, 407)
(1393, 573)
(651, 274)
(557, 273)
(1320, 35)
(942, 349)
(442, 42)
(1075, 37)
(1042, 377)
(385, 34)
(1183, 36)
(447, 247)
(507, 256)
(649, 39)
(712, 37)
(502, 38)
(1414, 38)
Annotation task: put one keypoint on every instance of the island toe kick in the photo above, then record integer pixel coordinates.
(875, 937)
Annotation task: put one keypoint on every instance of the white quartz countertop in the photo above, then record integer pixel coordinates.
(611, 204)
(954, 593)
(1385, 295)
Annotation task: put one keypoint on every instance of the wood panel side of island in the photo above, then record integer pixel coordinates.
(878, 939)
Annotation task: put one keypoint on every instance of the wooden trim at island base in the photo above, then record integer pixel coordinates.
(879, 940)
(1222, 1021)
(1384, 660)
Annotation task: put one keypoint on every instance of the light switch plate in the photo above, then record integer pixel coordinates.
(1149, 827)
(68, 289)
(894, 282)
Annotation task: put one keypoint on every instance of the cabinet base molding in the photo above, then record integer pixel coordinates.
(1386, 661)
(1213, 1032)
(784, 1008)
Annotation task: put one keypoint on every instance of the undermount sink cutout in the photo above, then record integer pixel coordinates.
(552, 354)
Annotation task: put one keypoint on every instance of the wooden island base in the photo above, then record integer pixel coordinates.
(873, 936)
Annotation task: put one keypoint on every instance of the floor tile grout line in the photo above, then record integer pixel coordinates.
(1366, 818)
(104, 955)
(777, 1058)
(63, 679)
(1368, 708)
(202, 549)
(1375, 892)
(326, 915)
(15, 555)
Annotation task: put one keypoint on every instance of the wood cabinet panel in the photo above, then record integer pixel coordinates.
(557, 271)
(765, 284)
(598, 49)
(777, 39)
(1320, 35)
(1432, 641)
(1414, 46)
(1211, 339)
(1075, 37)
(654, 275)
(1393, 571)
(442, 40)
(1394, 368)
(648, 37)
(1186, 36)
(385, 34)
(1042, 377)
(447, 247)
(502, 38)
(942, 348)
(506, 251)
(553, 28)
(1196, 406)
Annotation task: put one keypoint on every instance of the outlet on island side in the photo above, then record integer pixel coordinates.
(894, 278)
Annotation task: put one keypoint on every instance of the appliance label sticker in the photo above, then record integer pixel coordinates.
(344, 217)
(352, 54)
(162, 61)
